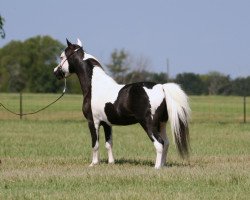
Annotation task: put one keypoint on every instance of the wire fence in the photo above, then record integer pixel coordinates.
(205, 109)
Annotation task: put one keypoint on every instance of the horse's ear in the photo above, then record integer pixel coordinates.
(79, 42)
(68, 42)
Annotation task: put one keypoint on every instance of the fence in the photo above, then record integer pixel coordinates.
(222, 109)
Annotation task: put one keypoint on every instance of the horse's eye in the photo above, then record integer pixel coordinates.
(61, 57)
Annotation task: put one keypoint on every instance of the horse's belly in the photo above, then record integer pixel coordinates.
(118, 118)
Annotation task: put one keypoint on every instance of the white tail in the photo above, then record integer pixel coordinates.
(179, 115)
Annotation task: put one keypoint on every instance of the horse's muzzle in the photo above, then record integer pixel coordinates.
(59, 73)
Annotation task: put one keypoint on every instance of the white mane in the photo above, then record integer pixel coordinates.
(88, 56)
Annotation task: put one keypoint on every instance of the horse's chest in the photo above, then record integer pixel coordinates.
(97, 107)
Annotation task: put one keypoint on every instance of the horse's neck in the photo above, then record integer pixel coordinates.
(84, 75)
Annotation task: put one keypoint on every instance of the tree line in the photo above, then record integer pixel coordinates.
(213, 83)
(28, 66)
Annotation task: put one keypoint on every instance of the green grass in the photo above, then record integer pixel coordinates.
(205, 108)
(47, 156)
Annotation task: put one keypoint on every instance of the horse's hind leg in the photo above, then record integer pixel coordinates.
(109, 143)
(158, 143)
(156, 139)
(163, 134)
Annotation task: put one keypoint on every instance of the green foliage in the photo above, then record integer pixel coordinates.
(213, 83)
(2, 32)
(43, 56)
(118, 65)
(218, 83)
(140, 76)
(191, 83)
(241, 86)
(29, 65)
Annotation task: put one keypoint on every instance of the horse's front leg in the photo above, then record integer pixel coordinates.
(94, 130)
(109, 143)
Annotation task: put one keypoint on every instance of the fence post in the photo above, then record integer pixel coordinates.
(21, 105)
(244, 108)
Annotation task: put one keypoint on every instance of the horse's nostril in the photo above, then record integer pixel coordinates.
(59, 73)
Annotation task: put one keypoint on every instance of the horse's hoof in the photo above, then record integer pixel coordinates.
(157, 167)
(93, 164)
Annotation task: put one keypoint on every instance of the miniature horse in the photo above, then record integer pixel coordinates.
(108, 103)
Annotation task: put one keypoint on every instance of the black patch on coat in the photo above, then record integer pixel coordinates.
(161, 115)
(107, 131)
(182, 142)
(93, 62)
(131, 105)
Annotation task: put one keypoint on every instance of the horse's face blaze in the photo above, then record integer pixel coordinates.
(62, 70)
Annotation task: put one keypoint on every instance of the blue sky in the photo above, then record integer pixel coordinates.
(195, 35)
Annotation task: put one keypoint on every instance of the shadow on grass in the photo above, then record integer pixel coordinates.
(136, 162)
(122, 161)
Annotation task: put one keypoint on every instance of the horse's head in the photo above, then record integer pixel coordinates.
(68, 58)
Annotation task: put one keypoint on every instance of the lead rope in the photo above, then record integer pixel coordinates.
(31, 113)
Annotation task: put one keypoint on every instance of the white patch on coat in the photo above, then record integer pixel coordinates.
(104, 90)
(64, 64)
(108, 146)
(95, 156)
(159, 153)
(55, 69)
(178, 108)
(156, 96)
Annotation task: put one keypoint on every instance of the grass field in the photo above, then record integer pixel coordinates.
(46, 156)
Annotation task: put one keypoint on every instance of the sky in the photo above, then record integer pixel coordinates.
(196, 36)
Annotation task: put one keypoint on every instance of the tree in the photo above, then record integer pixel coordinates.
(241, 86)
(218, 83)
(191, 83)
(43, 53)
(118, 65)
(137, 76)
(12, 73)
(159, 77)
(2, 32)
(29, 65)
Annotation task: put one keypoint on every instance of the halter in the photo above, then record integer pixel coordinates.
(67, 57)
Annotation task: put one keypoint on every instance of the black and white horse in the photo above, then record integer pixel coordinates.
(107, 103)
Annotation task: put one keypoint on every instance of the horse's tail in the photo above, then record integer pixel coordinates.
(179, 115)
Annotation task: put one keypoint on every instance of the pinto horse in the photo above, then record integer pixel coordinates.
(107, 103)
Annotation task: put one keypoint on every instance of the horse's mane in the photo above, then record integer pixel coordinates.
(93, 62)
